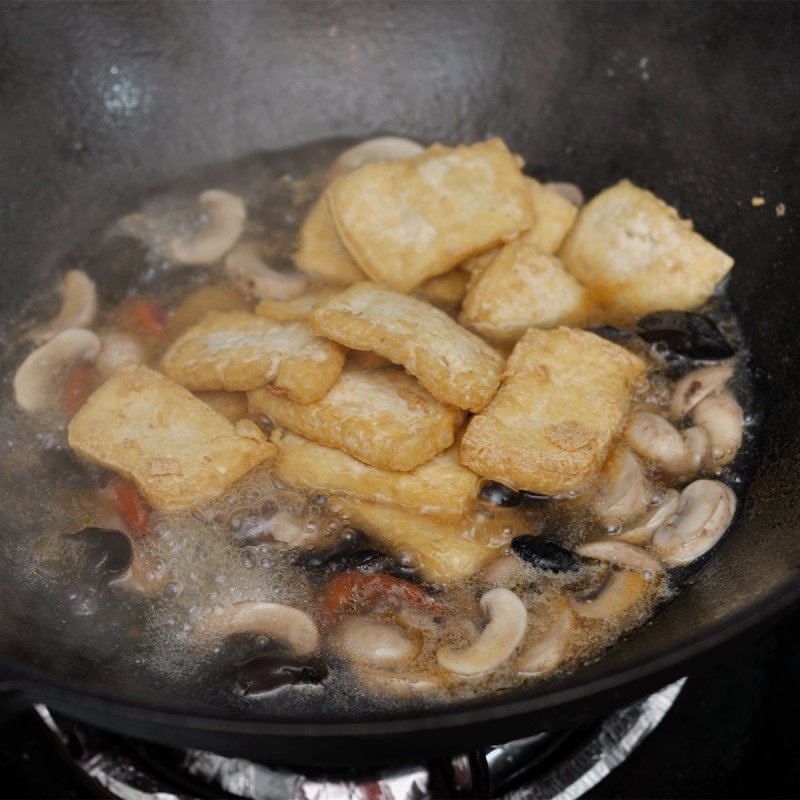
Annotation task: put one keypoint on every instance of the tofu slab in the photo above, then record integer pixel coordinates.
(523, 287)
(232, 405)
(177, 450)
(445, 291)
(454, 365)
(297, 307)
(238, 351)
(637, 255)
(553, 216)
(439, 486)
(384, 418)
(404, 222)
(564, 397)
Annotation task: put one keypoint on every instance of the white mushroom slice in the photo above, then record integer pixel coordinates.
(117, 351)
(623, 554)
(287, 624)
(502, 569)
(378, 644)
(696, 385)
(401, 684)
(657, 440)
(226, 217)
(245, 266)
(498, 640)
(619, 593)
(39, 381)
(722, 417)
(698, 448)
(384, 148)
(547, 652)
(625, 489)
(704, 513)
(78, 307)
(643, 532)
(569, 191)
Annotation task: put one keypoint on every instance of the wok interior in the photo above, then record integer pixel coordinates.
(697, 103)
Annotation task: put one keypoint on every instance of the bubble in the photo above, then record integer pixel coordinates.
(613, 525)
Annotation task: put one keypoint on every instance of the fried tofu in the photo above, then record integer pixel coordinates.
(238, 351)
(384, 418)
(553, 217)
(196, 305)
(232, 405)
(446, 548)
(454, 365)
(297, 307)
(405, 222)
(445, 291)
(564, 397)
(523, 287)
(178, 451)
(637, 255)
(320, 251)
(439, 486)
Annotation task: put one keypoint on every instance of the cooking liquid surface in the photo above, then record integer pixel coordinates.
(223, 552)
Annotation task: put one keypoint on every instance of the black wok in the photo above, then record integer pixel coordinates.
(698, 102)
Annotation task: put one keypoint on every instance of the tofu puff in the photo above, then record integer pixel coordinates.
(637, 255)
(564, 397)
(238, 351)
(177, 450)
(439, 486)
(454, 365)
(383, 417)
(296, 308)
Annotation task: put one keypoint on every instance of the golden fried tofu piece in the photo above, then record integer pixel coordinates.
(553, 216)
(320, 251)
(523, 287)
(384, 418)
(363, 359)
(477, 264)
(454, 365)
(196, 305)
(445, 547)
(439, 486)
(232, 405)
(404, 222)
(637, 255)
(297, 307)
(445, 291)
(178, 451)
(237, 351)
(564, 397)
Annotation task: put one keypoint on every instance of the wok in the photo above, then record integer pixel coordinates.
(698, 102)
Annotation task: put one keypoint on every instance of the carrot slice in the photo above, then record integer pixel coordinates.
(132, 508)
(144, 316)
(80, 384)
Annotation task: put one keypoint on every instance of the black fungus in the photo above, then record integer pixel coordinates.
(621, 336)
(544, 555)
(681, 333)
(498, 495)
(266, 672)
(525, 495)
(352, 553)
(101, 551)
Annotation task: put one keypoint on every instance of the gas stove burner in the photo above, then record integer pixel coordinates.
(545, 766)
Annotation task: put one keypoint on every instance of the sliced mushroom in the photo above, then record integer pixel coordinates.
(569, 191)
(621, 590)
(384, 148)
(722, 417)
(40, 378)
(379, 644)
(547, 652)
(657, 440)
(625, 489)
(623, 554)
(704, 513)
(498, 640)
(78, 307)
(696, 385)
(118, 350)
(289, 625)
(401, 684)
(226, 217)
(246, 267)
(502, 569)
(644, 530)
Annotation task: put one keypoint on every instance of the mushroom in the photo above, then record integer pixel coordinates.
(376, 643)
(625, 489)
(245, 266)
(292, 627)
(78, 307)
(384, 148)
(643, 532)
(40, 377)
(118, 350)
(696, 385)
(621, 590)
(704, 513)
(502, 569)
(498, 640)
(226, 217)
(722, 417)
(623, 554)
(547, 651)
(657, 440)
(569, 191)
